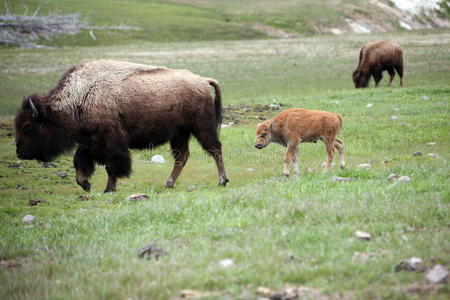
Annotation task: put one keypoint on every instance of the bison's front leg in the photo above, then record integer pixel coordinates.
(117, 162)
(84, 166)
(287, 160)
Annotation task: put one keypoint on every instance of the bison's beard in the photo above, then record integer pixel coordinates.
(48, 150)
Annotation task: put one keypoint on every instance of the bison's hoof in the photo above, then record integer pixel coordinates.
(169, 183)
(224, 182)
(85, 185)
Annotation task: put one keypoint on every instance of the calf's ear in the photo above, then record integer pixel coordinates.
(271, 125)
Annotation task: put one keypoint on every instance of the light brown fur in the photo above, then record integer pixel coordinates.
(298, 125)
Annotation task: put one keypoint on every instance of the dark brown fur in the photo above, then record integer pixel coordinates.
(109, 116)
(376, 57)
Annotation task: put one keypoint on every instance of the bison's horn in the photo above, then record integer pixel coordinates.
(33, 108)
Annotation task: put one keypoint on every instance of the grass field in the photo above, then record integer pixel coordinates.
(278, 231)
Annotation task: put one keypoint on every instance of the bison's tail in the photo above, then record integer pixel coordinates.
(217, 101)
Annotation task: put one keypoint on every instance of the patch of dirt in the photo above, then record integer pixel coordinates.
(6, 129)
(245, 113)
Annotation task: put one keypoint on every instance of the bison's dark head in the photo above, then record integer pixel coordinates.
(37, 135)
(360, 79)
(263, 134)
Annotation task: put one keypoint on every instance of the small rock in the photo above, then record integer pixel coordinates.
(159, 159)
(337, 102)
(341, 179)
(82, 210)
(83, 198)
(193, 294)
(363, 235)
(394, 118)
(226, 262)
(417, 153)
(20, 187)
(224, 126)
(14, 165)
(426, 98)
(392, 177)
(137, 197)
(412, 264)
(431, 143)
(152, 251)
(34, 202)
(249, 170)
(48, 165)
(432, 155)
(61, 174)
(264, 291)
(404, 124)
(404, 179)
(369, 105)
(274, 106)
(439, 103)
(438, 274)
(361, 166)
(29, 219)
(324, 164)
(192, 187)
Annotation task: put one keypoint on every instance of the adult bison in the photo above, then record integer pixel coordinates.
(107, 107)
(376, 57)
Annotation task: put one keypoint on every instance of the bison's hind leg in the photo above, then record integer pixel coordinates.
(399, 69)
(180, 152)
(84, 166)
(339, 144)
(209, 139)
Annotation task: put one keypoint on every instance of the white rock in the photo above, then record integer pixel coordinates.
(324, 164)
(431, 143)
(249, 170)
(337, 102)
(29, 219)
(412, 264)
(369, 105)
(394, 118)
(361, 166)
(405, 179)
(432, 155)
(137, 197)
(159, 159)
(363, 235)
(336, 31)
(274, 106)
(426, 98)
(224, 126)
(226, 262)
(405, 25)
(341, 179)
(437, 275)
(392, 177)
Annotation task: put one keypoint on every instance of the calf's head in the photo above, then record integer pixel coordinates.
(263, 134)
(360, 79)
(36, 135)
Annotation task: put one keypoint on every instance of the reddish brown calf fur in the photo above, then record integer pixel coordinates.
(299, 125)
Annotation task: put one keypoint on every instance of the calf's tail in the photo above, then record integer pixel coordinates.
(341, 123)
(217, 101)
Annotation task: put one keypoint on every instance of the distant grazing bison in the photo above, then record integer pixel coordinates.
(376, 57)
(107, 107)
(298, 125)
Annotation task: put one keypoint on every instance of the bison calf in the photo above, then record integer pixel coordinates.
(376, 57)
(107, 107)
(298, 125)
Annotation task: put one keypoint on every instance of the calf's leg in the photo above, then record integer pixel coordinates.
(339, 144)
(292, 146)
(329, 144)
(84, 166)
(180, 152)
(295, 161)
(209, 140)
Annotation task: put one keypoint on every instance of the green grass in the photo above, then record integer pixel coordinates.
(88, 249)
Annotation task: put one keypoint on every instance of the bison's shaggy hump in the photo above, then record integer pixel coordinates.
(374, 58)
(107, 107)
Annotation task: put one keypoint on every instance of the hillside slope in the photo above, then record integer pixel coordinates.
(105, 22)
